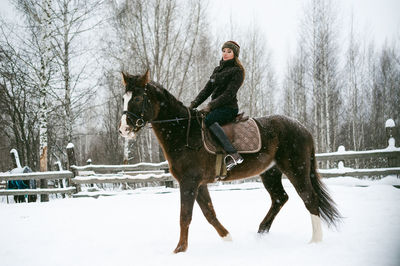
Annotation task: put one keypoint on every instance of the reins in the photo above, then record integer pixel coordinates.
(141, 122)
(189, 118)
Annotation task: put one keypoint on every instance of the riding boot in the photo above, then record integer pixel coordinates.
(233, 158)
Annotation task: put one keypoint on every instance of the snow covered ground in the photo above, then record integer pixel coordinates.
(142, 228)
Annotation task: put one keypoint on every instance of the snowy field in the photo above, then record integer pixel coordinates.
(142, 228)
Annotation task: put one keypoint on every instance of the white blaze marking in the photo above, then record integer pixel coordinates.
(316, 229)
(124, 124)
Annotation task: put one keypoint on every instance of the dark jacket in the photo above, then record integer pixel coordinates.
(224, 83)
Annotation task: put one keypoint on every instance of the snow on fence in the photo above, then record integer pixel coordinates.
(157, 173)
(50, 175)
(134, 173)
(392, 154)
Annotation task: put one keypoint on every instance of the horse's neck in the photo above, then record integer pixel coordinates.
(171, 134)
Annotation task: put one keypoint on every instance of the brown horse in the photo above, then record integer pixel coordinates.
(287, 147)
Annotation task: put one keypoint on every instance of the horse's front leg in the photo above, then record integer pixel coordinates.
(204, 201)
(188, 192)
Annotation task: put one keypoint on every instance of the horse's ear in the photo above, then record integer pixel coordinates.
(124, 78)
(146, 77)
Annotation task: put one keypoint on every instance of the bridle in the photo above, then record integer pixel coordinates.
(142, 122)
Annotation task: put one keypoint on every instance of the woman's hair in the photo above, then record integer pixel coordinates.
(239, 64)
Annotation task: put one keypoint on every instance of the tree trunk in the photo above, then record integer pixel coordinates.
(43, 90)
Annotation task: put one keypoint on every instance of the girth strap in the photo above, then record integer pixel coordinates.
(220, 168)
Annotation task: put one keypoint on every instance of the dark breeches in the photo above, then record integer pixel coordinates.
(222, 115)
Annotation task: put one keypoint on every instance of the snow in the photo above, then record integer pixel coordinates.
(142, 228)
(104, 177)
(344, 152)
(17, 173)
(16, 156)
(122, 166)
(392, 144)
(348, 171)
(390, 123)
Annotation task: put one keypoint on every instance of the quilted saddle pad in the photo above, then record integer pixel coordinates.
(244, 136)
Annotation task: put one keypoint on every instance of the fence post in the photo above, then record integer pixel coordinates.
(389, 126)
(60, 181)
(15, 159)
(72, 162)
(341, 148)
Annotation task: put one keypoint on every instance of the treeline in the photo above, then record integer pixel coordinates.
(343, 92)
(60, 75)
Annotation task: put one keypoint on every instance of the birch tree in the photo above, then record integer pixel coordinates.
(356, 93)
(260, 83)
(319, 29)
(162, 36)
(295, 87)
(72, 20)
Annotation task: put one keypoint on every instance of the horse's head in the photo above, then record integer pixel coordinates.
(137, 109)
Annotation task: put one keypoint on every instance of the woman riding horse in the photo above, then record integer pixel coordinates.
(287, 147)
(223, 85)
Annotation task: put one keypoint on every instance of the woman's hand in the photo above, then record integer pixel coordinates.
(192, 105)
(206, 109)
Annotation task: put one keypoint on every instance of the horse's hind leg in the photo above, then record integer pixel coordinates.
(272, 180)
(204, 201)
(299, 175)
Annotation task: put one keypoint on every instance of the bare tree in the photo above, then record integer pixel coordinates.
(162, 36)
(73, 19)
(319, 32)
(295, 87)
(356, 83)
(18, 116)
(259, 88)
(385, 93)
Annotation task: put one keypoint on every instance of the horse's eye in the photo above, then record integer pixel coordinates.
(137, 99)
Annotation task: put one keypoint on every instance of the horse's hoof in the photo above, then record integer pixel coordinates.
(180, 248)
(262, 232)
(228, 238)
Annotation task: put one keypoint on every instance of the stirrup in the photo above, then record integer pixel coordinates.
(233, 162)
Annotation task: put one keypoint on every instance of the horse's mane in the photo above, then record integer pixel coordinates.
(170, 98)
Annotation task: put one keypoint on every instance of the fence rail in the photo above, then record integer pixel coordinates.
(351, 155)
(360, 172)
(122, 168)
(21, 192)
(391, 153)
(158, 172)
(79, 180)
(37, 175)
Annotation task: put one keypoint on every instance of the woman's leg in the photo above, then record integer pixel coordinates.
(213, 121)
(222, 115)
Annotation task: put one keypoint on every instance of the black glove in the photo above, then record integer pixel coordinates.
(192, 105)
(206, 109)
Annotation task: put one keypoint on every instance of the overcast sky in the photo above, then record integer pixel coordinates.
(279, 20)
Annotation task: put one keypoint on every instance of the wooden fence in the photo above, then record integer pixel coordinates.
(141, 173)
(391, 155)
(51, 175)
(157, 174)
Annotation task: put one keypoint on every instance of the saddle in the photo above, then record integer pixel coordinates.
(243, 133)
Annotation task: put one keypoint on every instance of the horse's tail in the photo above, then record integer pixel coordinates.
(327, 207)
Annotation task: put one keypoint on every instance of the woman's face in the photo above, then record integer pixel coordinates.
(227, 54)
